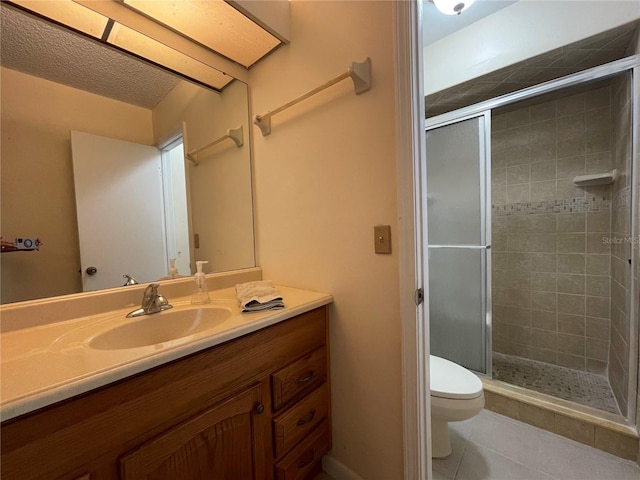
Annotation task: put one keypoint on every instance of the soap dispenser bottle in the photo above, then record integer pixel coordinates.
(200, 294)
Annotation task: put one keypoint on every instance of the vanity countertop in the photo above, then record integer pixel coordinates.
(44, 364)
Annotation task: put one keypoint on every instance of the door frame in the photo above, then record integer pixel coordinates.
(168, 194)
(634, 310)
(411, 175)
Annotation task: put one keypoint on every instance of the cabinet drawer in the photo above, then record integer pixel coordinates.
(300, 376)
(294, 424)
(298, 463)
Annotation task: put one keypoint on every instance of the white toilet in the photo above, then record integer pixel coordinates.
(456, 395)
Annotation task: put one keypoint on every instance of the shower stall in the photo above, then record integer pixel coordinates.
(533, 238)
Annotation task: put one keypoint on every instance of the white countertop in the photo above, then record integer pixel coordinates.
(48, 363)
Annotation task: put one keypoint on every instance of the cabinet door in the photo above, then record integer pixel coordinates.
(225, 442)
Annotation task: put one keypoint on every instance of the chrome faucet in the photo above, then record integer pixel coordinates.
(152, 302)
(130, 280)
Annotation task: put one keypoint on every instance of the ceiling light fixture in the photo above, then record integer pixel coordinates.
(146, 47)
(452, 7)
(190, 37)
(213, 23)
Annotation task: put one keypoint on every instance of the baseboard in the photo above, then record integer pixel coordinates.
(337, 469)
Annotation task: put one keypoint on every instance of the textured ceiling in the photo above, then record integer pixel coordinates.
(34, 46)
(593, 51)
(436, 25)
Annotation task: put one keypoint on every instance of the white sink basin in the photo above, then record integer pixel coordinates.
(161, 327)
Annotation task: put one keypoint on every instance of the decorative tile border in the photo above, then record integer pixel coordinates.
(569, 205)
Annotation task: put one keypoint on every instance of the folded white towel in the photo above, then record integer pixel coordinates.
(258, 296)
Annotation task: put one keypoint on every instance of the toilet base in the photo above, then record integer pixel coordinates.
(440, 439)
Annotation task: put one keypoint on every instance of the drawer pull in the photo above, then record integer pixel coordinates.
(305, 379)
(310, 456)
(307, 419)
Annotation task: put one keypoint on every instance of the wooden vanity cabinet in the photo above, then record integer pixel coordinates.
(217, 443)
(256, 407)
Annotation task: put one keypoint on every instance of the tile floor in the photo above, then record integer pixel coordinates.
(580, 387)
(493, 447)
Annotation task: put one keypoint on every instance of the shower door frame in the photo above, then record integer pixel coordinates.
(629, 64)
(633, 402)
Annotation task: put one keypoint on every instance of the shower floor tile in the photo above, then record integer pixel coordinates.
(580, 387)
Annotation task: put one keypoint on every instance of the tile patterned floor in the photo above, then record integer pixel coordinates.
(493, 447)
(580, 387)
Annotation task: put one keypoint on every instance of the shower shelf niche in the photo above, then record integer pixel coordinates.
(595, 179)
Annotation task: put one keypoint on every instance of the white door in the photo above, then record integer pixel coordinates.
(120, 211)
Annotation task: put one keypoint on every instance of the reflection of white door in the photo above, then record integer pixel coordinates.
(175, 204)
(120, 210)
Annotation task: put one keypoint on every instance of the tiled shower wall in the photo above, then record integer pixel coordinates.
(551, 265)
(618, 371)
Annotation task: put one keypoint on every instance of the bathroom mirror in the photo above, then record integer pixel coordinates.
(55, 82)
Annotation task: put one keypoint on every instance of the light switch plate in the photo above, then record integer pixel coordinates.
(382, 238)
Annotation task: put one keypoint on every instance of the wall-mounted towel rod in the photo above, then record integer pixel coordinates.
(235, 134)
(359, 72)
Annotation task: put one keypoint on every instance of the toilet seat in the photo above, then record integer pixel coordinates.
(450, 380)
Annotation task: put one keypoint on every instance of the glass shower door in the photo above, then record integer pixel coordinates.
(458, 207)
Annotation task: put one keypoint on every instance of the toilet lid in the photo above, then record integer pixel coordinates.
(450, 380)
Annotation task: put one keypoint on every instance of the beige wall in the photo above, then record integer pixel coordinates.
(324, 177)
(37, 176)
(220, 186)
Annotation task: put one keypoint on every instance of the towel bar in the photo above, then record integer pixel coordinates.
(235, 134)
(359, 72)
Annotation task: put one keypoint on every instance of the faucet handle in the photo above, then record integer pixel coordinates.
(152, 302)
(162, 301)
